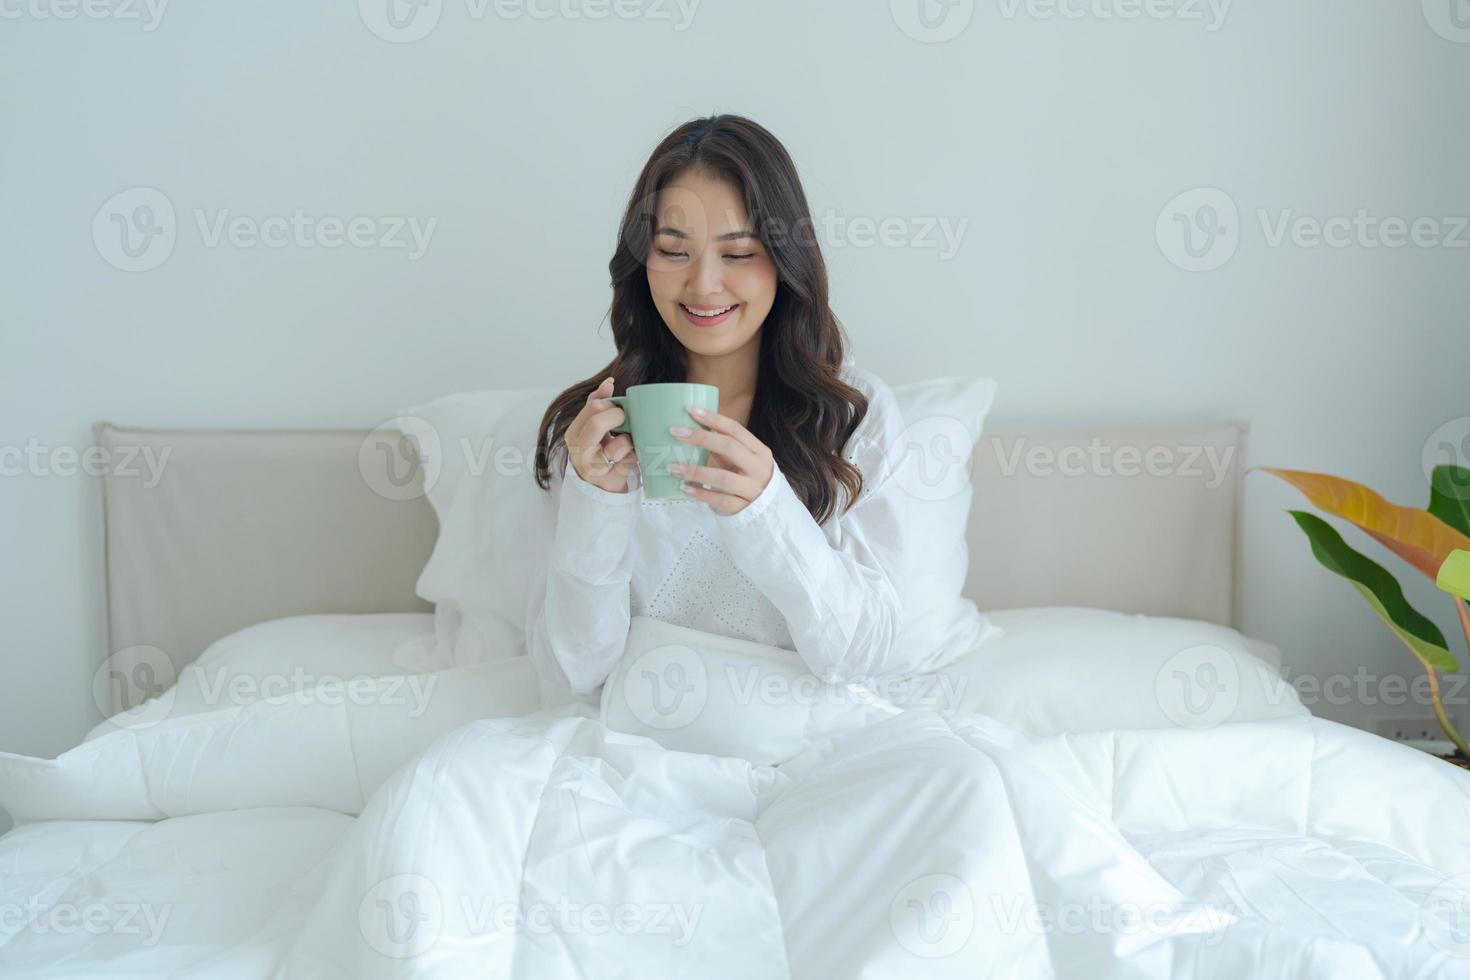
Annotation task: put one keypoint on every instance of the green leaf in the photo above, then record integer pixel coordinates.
(1449, 496)
(1454, 574)
(1449, 499)
(1380, 590)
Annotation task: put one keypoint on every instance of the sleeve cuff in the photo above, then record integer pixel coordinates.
(573, 478)
(777, 487)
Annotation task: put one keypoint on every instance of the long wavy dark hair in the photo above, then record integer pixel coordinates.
(801, 408)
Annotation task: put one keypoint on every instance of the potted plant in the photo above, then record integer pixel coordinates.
(1429, 540)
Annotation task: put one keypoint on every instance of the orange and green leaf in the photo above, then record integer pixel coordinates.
(1417, 536)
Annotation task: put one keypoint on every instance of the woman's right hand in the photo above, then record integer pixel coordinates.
(588, 439)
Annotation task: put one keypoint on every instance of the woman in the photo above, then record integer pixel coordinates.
(792, 533)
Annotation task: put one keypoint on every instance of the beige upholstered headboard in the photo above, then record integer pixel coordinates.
(207, 531)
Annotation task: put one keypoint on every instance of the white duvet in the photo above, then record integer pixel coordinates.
(835, 835)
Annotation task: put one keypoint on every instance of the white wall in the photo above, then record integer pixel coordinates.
(1056, 139)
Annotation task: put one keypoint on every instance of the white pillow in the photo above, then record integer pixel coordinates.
(329, 745)
(1051, 671)
(479, 452)
(695, 691)
(1057, 670)
(943, 420)
(284, 657)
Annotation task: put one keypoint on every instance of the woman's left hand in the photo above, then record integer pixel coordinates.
(739, 465)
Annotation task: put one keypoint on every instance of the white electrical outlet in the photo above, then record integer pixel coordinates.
(1409, 728)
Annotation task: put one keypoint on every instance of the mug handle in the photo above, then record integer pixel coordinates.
(618, 400)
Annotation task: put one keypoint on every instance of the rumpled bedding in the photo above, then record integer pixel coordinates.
(918, 843)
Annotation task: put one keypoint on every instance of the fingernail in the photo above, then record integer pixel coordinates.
(679, 430)
(696, 411)
(676, 467)
(687, 487)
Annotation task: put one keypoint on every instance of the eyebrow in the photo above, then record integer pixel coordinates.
(729, 236)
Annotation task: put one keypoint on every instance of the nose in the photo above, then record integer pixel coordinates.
(707, 274)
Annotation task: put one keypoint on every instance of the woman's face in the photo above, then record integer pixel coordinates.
(704, 258)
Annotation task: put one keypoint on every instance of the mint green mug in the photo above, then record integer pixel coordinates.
(651, 409)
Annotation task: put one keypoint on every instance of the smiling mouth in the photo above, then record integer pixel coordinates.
(708, 316)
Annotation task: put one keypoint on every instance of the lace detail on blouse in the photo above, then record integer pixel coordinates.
(706, 591)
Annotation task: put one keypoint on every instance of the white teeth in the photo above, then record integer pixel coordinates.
(726, 309)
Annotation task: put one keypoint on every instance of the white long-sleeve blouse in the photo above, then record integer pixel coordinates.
(769, 573)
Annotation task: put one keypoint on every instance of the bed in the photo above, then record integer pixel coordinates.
(1059, 803)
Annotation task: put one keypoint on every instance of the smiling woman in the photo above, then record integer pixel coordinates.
(793, 532)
